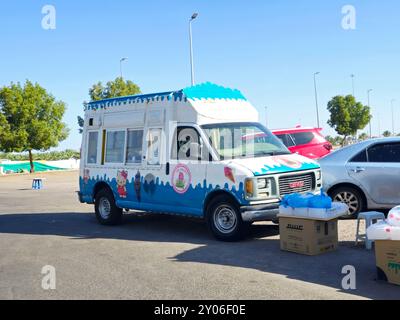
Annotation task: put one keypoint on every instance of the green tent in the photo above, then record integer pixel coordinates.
(19, 167)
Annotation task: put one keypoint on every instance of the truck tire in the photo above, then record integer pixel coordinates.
(224, 219)
(107, 213)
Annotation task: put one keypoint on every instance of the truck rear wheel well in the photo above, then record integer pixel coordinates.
(212, 196)
(100, 186)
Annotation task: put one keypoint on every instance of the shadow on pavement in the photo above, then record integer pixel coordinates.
(260, 251)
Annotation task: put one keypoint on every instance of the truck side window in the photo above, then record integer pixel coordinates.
(188, 145)
(115, 146)
(154, 147)
(134, 147)
(92, 147)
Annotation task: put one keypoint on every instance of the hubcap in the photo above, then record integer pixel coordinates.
(350, 199)
(104, 208)
(225, 219)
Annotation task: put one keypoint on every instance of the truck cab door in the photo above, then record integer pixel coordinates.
(188, 170)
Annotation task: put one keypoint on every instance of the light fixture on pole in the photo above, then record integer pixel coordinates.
(120, 65)
(194, 16)
(316, 97)
(369, 106)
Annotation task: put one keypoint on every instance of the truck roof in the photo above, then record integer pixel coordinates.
(205, 103)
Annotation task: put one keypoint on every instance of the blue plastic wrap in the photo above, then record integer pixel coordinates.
(308, 200)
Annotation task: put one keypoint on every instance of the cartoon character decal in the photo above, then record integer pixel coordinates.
(181, 179)
(137, 186)
(86, 176)
(122, 177)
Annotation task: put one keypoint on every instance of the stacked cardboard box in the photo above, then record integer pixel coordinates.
(308, 236)
(387, 254)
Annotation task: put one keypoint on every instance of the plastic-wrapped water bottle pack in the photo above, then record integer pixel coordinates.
(312, 206)
(386, 230)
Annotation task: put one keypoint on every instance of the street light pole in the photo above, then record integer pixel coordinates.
(194, 16)
(316, 97)
(120, 65)
(369, 106)
(352, 83)
(392, 104)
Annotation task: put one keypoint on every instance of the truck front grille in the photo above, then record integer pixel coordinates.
(297, 183)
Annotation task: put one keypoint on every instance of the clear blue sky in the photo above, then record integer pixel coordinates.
(267, 49)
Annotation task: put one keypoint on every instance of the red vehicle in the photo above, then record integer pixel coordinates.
(308, 142)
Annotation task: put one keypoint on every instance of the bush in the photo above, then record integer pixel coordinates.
(44, 156)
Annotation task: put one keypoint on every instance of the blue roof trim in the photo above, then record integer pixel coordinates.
(140, 98)
(206, 90)
(210, 90)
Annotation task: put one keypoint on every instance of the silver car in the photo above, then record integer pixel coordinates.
(365, 175)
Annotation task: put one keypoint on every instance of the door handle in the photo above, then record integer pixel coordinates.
(358, 170)
(167, 169)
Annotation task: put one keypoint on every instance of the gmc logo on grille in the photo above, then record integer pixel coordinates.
(297, 184)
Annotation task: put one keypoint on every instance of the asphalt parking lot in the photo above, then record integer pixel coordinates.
(157, 257)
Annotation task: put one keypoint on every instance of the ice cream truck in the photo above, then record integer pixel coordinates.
(198, 152)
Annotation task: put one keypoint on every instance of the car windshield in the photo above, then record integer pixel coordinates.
(243, 140)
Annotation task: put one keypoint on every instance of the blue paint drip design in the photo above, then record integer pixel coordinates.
(284, 169)
(160, 196)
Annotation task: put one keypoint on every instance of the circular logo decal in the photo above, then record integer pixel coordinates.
(181, 178)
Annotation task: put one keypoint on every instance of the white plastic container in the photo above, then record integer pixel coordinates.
(286, 211)
(317, 213)
(394, 217)
(300, 212)
(383, 231)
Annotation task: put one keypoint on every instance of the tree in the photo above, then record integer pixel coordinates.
(363, 136)
(81, 122)
(347, 115)
(30, 119)
(117, 88)
(330, 139)
(387, 133)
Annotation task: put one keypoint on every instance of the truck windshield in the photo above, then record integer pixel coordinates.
(243, 140)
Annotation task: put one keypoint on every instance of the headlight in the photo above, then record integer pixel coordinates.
(260, 189)
(262, 183)
(249, 188)
(319, 175)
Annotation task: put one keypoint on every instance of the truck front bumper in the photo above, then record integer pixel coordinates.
(262, 212)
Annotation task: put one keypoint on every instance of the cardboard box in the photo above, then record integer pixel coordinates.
(387, 254)
(308, 236)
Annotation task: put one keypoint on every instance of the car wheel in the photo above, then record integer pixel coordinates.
(350, 196)
(107, 213)
(224, 219)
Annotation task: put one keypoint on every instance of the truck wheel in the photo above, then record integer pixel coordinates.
(107, 213)
(224, 219)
